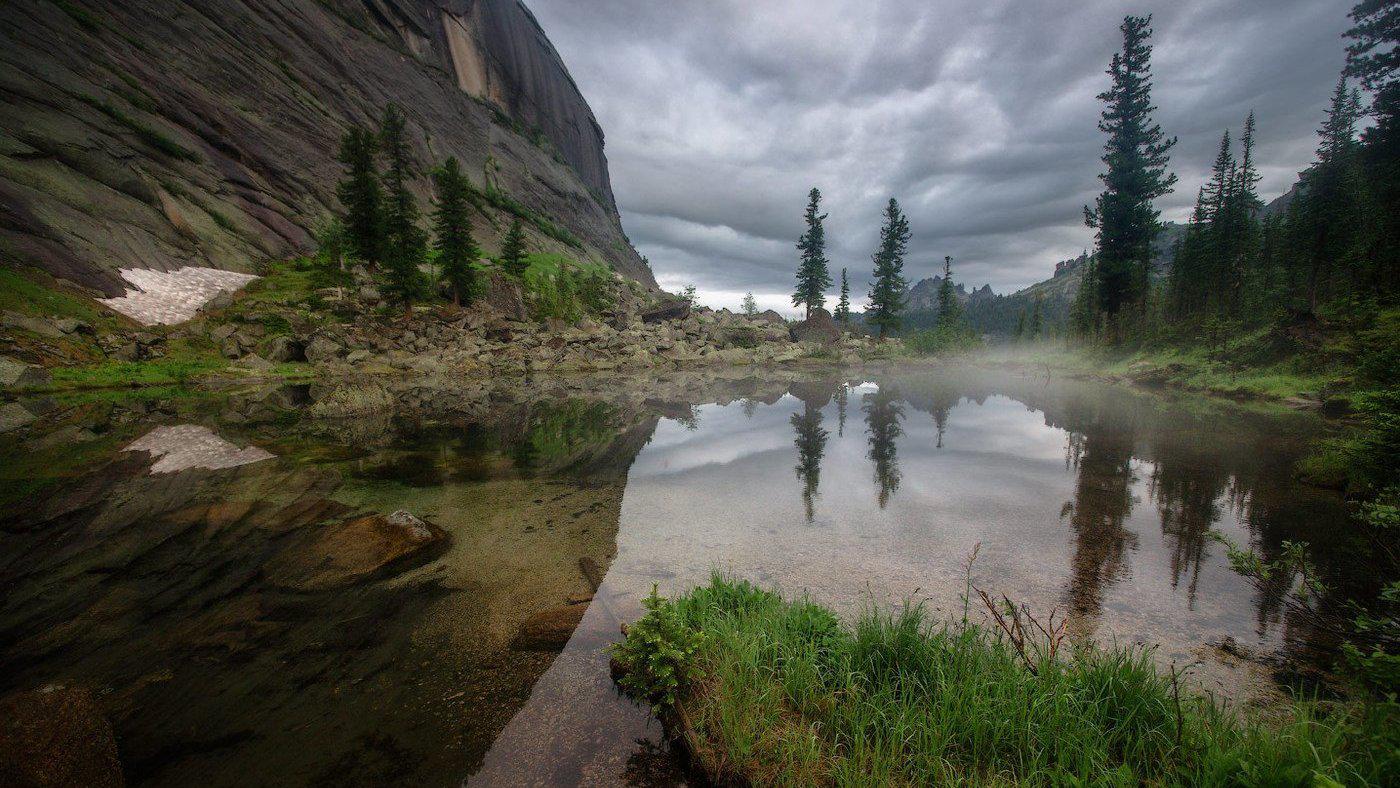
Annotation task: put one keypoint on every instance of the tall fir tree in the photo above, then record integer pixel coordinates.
(1036, 326)
(949, 310)
(361, 195)
(1020, 325)
(1136, 155)
(457, 250)
(1328, 223)
(513, 253)
(405, 241)
(1373, 58)
(889, 290)
(813, 278)
(843, 304)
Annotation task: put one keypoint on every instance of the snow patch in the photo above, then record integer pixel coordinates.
(188, 446)
(168, 297)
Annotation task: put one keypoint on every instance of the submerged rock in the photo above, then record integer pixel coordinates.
(56, 736)
(351, 550)
(549, 630)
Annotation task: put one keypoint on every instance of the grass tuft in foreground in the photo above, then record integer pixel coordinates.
(767, 691)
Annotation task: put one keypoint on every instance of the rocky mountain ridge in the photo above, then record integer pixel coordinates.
(168, 133)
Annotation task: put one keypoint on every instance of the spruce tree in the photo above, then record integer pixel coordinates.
(1328, 225)
(405, 242)
(750, 304)
(888, 291)
(457, 250)
(1020, 325)
(361, 196)
(1037, 322)
(513, 260)
(949, 310)
(1372, 59)
(1136, 159)
(843, 304)
(813, 278)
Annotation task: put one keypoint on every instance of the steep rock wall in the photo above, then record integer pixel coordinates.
(165, 133)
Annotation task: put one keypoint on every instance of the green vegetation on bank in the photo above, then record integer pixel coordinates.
(766, 691)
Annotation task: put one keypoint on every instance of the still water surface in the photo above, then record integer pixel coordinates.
(212, 567)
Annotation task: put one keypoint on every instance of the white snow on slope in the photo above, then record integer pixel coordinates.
(169, 297)
(192, 446)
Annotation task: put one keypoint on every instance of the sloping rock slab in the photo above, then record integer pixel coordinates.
(56, 736)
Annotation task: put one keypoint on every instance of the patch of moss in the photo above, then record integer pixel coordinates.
(146, 134)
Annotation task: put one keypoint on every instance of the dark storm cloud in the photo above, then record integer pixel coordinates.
(978, 116)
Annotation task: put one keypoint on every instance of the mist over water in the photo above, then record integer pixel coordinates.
(228, 613)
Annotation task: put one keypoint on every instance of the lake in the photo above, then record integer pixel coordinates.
(217, 568)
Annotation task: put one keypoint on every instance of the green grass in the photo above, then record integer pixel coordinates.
(768, 691)
(37, 294)
(152, 137)
(1192, 369)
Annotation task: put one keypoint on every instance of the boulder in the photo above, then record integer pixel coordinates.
(283, 349)
(222, 300)
(220, 333)
(13, 416)
(677, 309)
(71, 325)
(502, 294)
(18, 375)
(56, 736)
(322, 349)
(770, 316)
(351, 550)
(817, 329)
(35, 325)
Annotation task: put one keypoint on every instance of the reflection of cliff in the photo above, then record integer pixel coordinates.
(227, 610)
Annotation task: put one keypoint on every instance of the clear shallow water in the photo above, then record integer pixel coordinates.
(234, 631)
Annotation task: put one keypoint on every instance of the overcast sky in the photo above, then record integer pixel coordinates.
(979, 116)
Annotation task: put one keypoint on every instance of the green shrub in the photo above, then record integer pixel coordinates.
(656, 658)
(941, 339)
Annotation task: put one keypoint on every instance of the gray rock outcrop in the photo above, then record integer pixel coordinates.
(169, 133)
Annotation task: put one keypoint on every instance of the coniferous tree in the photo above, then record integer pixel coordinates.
(813, 278)
(361, 196)
(513, 250)
(843, 304)
(949, 310)
(750, 304)
(405, 243)
(1136, 159)
(1084, 309)
(457, 250)
(1327, 227)
(1020, 325)
(1037, 323)
(888, 291)
(1373, 60)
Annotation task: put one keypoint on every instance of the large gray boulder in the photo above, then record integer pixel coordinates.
(771, 317)
(18, 375)
(820, 328)
(502, 295)
(322, 349)
(677, 309)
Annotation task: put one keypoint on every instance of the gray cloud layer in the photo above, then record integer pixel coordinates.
(979, 116)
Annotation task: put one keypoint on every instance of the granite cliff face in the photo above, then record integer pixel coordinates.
(169, 133)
